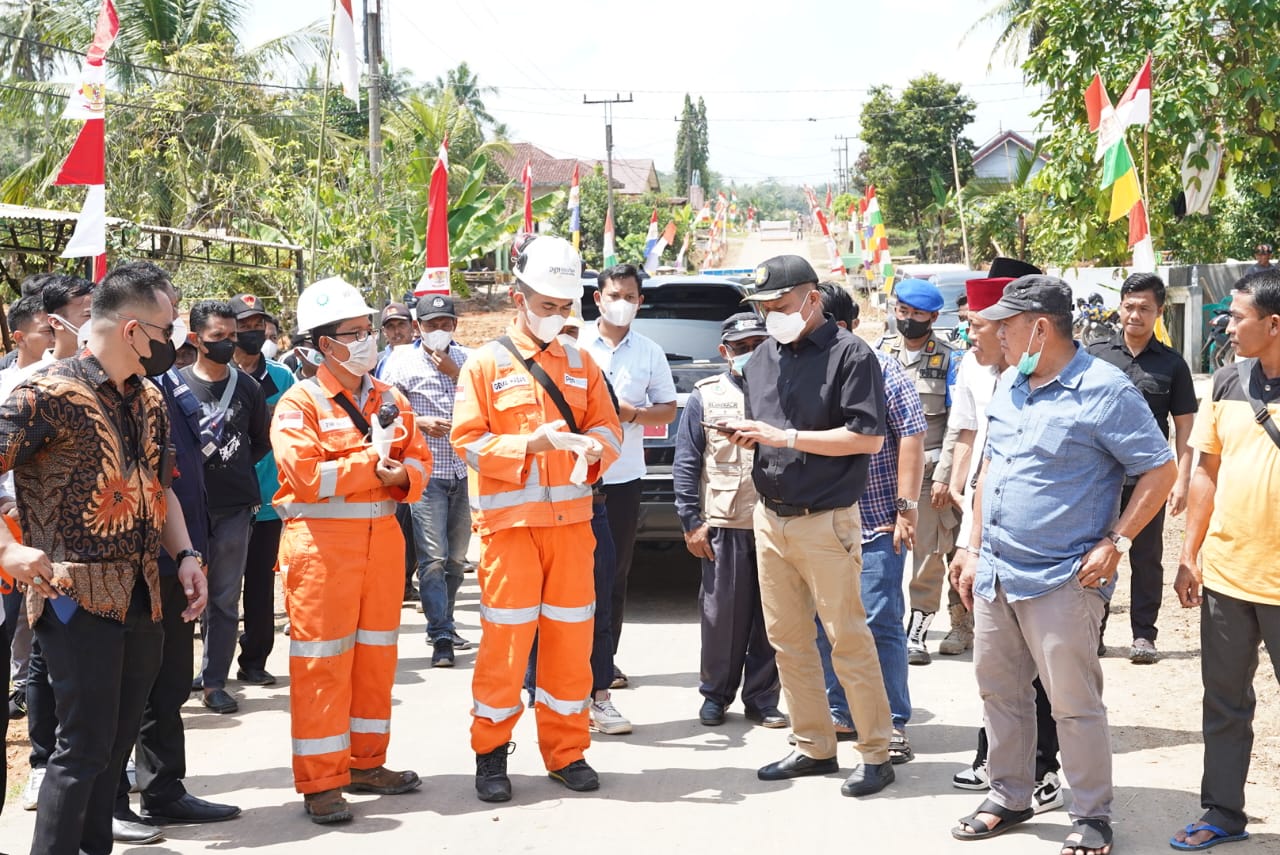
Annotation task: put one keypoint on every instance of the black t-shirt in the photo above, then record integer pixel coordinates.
(233, 440)
(1159, 372)
(828, 379)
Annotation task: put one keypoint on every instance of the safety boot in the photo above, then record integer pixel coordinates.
(960, 637)
(492, 783)
(917, 649)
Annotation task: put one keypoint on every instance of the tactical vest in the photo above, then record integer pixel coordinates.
(728, 495)
(929, 374)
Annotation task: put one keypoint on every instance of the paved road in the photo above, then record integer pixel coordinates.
(673, 786)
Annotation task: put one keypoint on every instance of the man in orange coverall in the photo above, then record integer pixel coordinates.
(530, 486)
(342, 554)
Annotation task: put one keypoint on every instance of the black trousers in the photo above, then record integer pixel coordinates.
(259, 613)
(42, 708)
(1146, 581)
(735, 649)
(404, 516)
(1230, 632)
(161, 753)
(6, 638)
(623, 504)
(101, 672)
(1046, 736)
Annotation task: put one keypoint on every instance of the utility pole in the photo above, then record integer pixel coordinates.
(847, 174)
(608, 141)
(964, 231)
(373, 58)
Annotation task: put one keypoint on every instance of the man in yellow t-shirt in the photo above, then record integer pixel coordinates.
(1233, 530)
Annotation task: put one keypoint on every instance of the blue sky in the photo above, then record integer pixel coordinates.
(764, 68)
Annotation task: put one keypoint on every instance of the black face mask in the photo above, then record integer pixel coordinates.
(160, 358)
(911, 328)
(219, 351)
(251, 341)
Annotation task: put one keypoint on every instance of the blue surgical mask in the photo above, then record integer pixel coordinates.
(1027, 362)
(739, 362)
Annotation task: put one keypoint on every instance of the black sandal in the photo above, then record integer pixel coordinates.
(1095, 835)
(972, 828)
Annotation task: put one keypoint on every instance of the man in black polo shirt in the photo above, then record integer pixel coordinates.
(1164, 379)
(815, 415)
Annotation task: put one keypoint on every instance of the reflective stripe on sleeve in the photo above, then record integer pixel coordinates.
(607, 437)
(321, 649)
(574, 355)
(531, 495)
(370, 725)
(377, 637)
(328, 478)
(417, 464)
(509, 617)
(542, 696)
(473, 450)
(569, 615)
(336, 510)
(494, 714)
(324, 745)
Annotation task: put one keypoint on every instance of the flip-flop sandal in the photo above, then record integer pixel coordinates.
(899, 748)
(972, 828)
(1219, 836)
(1095, 835)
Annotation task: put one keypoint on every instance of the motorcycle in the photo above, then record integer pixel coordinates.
(1218, 350)
(1094, 322)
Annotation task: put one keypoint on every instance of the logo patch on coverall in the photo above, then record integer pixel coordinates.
(502, 384)
(575, 382)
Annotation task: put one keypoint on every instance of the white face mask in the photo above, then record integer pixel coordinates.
(566, 340)
(270, 349)
(363, 356)
(620, 313)
(543, 329)
(437, 339)
(786, 327)
(81, 332)
(179, 337)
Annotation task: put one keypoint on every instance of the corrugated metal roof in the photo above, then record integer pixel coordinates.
(24, 212)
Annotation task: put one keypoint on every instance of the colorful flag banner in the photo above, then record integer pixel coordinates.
(435, 279)
(575, 209)
(90, 235)
(610, 254)
(344, 42)
(1119, 174)
(684, 249)
(651, 236)
(653, 256)
(526, 178)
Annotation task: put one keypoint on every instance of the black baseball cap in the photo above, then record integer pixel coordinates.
(246, 306)
(435, 306)
(742, 325)
(1046, 295)
(775, 277)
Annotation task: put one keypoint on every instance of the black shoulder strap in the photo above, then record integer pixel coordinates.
(1261, 414)
(357, 418)
(545, 381)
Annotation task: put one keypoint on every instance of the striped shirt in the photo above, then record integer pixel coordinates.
(430, 393)
(904, 416)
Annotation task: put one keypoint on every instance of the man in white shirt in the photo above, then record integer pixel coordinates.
(637, 368)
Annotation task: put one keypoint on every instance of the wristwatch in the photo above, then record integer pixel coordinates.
(904, 505)
(791, 437)
(188, 553)
(1123, 544)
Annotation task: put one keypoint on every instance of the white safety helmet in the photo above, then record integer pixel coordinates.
(328, 302)
(551, 266)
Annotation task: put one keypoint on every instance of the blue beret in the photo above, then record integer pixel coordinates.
(919, 294)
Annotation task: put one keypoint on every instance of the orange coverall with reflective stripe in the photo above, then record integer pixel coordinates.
(342, 558)
(536, 544)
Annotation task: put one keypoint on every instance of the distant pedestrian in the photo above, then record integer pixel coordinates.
(1261, 259)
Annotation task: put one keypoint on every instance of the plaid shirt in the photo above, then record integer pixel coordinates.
(430, 393)
(904, 416)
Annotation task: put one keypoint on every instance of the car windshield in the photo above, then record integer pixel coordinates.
(683, 316)
(682, 339)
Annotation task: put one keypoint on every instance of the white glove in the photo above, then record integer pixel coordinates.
(575, 442)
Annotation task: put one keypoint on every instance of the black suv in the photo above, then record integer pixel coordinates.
(683, 314)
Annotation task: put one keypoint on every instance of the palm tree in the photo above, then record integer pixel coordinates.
(466, 88)
(1021, 28)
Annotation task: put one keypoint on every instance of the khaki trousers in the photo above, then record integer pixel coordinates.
(935, 540)
(1055, 635)
(812, 564)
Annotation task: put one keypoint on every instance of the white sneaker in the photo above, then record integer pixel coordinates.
(971, 778)
(31, 792)
(1047, 794)
(605, 718)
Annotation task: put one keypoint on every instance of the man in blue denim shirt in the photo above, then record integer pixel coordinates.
(1062, 437)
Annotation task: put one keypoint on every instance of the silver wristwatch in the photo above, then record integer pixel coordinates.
(1123, 544)
(904, 505)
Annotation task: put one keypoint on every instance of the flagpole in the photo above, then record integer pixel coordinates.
(324, 115)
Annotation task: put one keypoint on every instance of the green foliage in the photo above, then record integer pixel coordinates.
(692, 149)
(1216, 69)
(908, 139)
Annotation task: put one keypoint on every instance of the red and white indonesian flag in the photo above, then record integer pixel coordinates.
(435, 279)
(526, 178)
(89, 93)
(1134, 106)
(344, 42)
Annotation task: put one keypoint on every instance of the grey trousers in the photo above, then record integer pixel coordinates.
(1230, 631)
(1056, 636)
(220, 625)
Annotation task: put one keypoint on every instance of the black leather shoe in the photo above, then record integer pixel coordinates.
(868, 778)
(797, 765)
(256, 677)
(492, 783)
(712, 713)
(767, 717)
(577, 776)
(220, 701)
(131, 830)
(188, 809)
(442, 653)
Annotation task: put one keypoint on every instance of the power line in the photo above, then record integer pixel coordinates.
(148, 108)
(834, 91)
